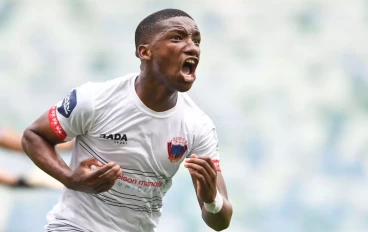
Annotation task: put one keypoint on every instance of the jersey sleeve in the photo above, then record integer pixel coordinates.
(74, 114)
(206, 144)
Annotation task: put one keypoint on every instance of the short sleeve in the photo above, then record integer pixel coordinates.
(74, 114)
(206, 144)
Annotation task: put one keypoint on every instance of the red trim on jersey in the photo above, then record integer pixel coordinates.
(55, 124)
(217, 164)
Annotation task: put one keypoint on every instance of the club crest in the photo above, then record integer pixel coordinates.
(176, 148)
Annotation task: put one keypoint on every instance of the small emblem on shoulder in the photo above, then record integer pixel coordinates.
(68, 104)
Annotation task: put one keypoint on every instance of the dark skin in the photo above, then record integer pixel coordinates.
(39, 142)
(161, 78)
(162, 60)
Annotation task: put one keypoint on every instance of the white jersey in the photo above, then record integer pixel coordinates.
(111, 123)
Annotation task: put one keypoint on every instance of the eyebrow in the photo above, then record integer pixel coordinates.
(196, 33)
(183, 30)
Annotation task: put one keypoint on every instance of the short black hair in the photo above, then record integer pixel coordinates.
(146, 26)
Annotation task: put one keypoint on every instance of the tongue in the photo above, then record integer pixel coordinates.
(186, 70)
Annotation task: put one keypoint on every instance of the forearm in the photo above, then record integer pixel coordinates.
(43, 154)
(221, 220)
(10, 140)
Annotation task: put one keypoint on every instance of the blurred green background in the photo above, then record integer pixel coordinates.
(284, 81)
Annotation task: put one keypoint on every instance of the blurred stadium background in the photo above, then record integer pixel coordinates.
(285, 82)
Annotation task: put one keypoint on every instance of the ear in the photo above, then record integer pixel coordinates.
(144, 52)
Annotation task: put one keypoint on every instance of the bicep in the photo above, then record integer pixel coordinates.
(43, 128)
(221, 186)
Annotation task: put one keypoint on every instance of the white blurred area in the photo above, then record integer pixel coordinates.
(286, 83)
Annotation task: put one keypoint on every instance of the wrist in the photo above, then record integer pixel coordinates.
(216, 205)
(67, 179)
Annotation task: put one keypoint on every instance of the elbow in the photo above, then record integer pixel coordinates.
(27, 138)
(223, 226)
(220, 229)
(225, 223)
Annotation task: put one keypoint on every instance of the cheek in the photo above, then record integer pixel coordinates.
(168, 65)
(167, 60)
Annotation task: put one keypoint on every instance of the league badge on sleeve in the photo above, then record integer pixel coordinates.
(176, 148)
(68, 104)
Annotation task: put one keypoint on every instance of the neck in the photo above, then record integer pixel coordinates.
(154, 93)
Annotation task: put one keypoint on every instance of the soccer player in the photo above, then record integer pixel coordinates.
(11, 140)
(132, 133)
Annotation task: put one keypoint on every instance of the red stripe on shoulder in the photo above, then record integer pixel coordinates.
(217, 164)
(55, 124)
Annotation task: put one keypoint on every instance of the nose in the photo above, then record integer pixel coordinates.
(192, 49)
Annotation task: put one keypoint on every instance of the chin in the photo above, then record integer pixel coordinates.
(184, 87)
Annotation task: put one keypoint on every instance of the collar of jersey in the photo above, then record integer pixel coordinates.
(144, 108)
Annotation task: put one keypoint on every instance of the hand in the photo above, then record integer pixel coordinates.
(94, 181)
(204, 172)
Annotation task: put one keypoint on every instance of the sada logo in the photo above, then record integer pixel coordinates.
(117, 138)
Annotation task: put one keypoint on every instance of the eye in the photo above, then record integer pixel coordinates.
(197, 41)
(176, 38)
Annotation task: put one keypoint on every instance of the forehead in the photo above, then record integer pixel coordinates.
(178, 23)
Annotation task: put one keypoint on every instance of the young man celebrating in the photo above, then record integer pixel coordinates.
(131, 134)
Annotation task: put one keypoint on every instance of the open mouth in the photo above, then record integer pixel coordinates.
(189, 67)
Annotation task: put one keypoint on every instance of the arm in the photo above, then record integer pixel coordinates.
(9, 139)
(12, 140)
(206, 179)
(39, 142)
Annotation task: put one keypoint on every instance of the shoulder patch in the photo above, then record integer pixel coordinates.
(68, 104)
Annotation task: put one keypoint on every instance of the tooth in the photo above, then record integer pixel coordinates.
(191, 61)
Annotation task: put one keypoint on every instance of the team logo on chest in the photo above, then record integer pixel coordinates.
(176, 148)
